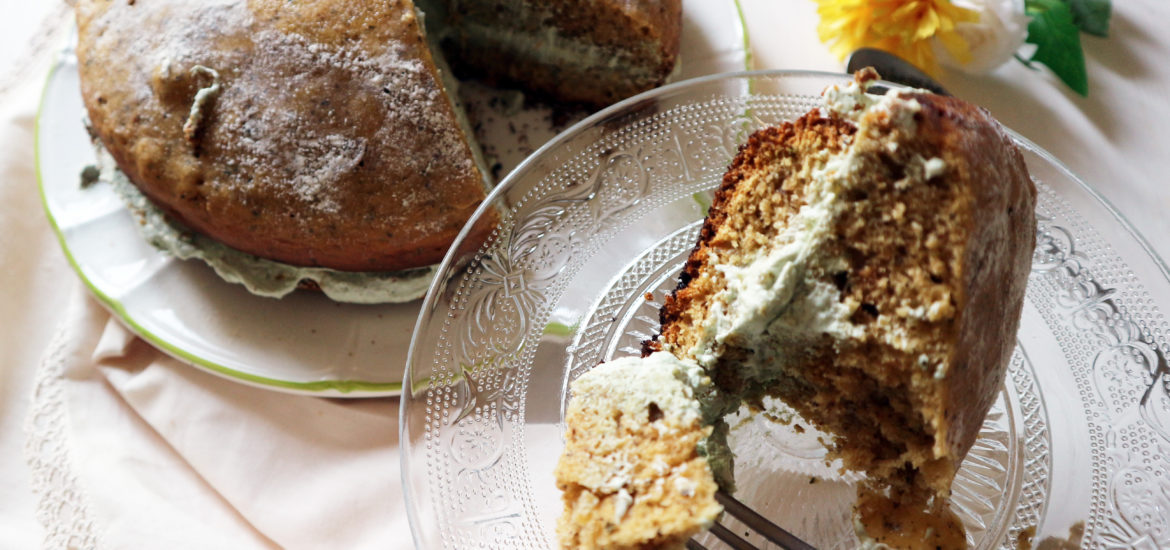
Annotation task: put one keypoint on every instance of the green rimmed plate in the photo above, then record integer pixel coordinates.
(304, 343)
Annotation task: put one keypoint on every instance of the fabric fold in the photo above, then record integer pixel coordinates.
(308, 472)
(130, 448)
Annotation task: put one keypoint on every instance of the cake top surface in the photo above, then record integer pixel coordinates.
(314, 133)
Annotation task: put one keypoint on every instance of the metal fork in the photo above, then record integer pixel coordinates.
(738, 510)
(893, 69)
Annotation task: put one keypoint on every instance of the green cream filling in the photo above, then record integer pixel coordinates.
(719, 456)
(557, 50)
(260, 276)
(543, 44)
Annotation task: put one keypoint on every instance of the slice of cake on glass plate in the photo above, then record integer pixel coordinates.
(866, 264)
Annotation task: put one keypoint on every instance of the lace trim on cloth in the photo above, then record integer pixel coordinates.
(63, 508)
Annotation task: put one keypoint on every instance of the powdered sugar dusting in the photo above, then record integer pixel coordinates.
(317, 162)
(298, 114)
(318, 149)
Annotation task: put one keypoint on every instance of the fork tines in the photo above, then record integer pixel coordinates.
(770, 531)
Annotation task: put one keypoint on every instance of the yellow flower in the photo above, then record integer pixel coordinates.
(903, 27)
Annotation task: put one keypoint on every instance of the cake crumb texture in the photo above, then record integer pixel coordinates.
(631, 473)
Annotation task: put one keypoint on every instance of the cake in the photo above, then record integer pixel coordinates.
(866, 264)
(598, 51)
(635, 472)
(325, 133)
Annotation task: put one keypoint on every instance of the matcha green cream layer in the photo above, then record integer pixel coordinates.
(549, 47)
(525, 30)
(260, 276)
(773, 301)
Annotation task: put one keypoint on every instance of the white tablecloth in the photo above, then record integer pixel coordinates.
(130, 449)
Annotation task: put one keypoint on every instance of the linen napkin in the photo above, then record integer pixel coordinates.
(129, 448)
(132, 449)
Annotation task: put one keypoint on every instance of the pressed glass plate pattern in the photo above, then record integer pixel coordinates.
(592, 232)
(1004, 478)
(1114, 338)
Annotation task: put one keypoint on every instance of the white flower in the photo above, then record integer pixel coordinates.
(1000, 31)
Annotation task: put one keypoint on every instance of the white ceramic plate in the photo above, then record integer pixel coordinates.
(304, 343)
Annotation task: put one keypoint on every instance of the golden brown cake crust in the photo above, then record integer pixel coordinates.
(323, 138)
(1001, 235)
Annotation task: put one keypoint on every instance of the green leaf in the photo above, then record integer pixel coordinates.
(1032, 7)
(1092, 16)
(1058, 42)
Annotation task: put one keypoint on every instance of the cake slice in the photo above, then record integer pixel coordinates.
(866, 264)
(310, 133)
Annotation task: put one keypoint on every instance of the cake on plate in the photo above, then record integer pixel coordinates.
(866, 264)
(325, 133)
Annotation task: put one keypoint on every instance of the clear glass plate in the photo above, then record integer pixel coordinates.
(303, 343)
(594, 229)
